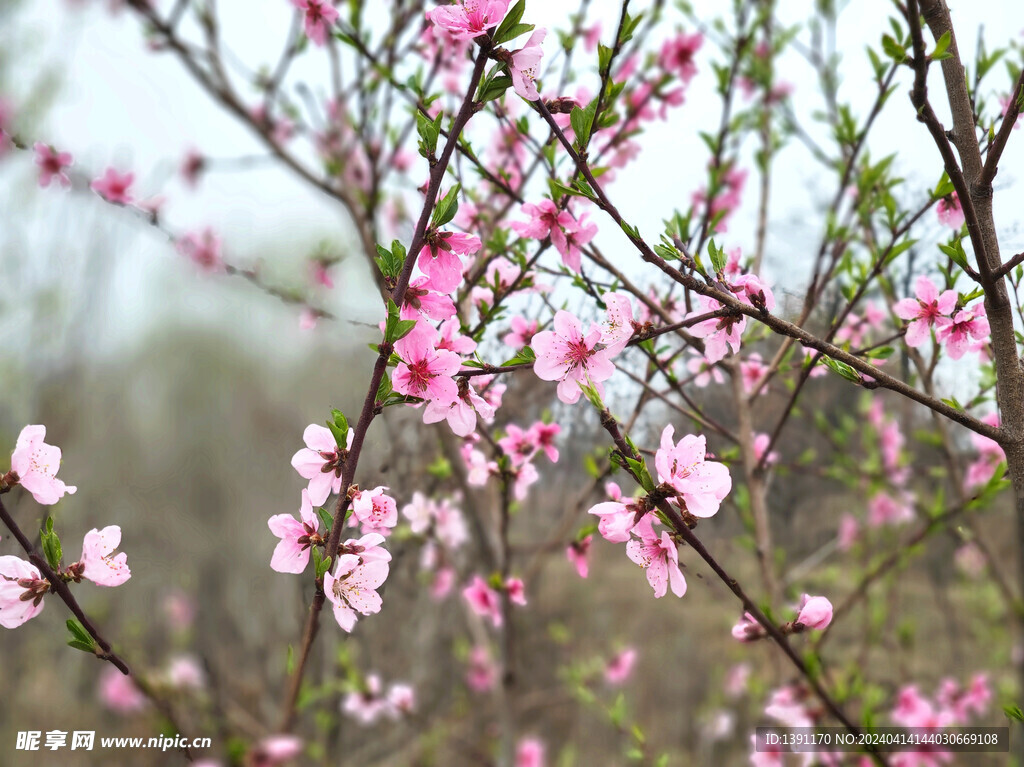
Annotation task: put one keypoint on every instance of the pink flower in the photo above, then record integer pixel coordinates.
(21, 591)
(523, 67)
(424, 371)
(275, 750)
(567, 356)
(37, 464)
(368, 548)
(367, 704)
(292, 553)
(542, 435)
(618, 324)
(752, 370)
(849, 531)
(956, 332)
(950, 212)
(184, 672)
(353, 588)
(618, 670)
(204, 249)
(420, 299)
(119, 693)
(530, 753)
(97, 563)
(616, 520)
(521, 333)
(114, 187)
(750, 289)
(570, 239)
(467, 19)
(747, 629)
(701, 484)
(438, 258)
(460, 414)
(719, 333)
(320, 17)
(321, 462)
(703, 371)
(516, 591)
(545, 219)
(374, 509)
(883, 509)
(483, 600)
(924, 310)
(677, 54)
(761, 442)
(401, 700)
(481, 674)
(659, 557)
(815, 612)
(578, 553)
(52, 164)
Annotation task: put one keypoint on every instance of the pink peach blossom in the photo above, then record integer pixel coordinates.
(701, 484)
(292, 553)
(98, 563)
(320, 16)
(52, 165)
(924, 310)
(114, 187)
(37, 464)
(21, 591)
(567, 356)
(468, 19)
(658, 555)
(352, 589)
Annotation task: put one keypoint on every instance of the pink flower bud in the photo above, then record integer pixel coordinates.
(815, 612)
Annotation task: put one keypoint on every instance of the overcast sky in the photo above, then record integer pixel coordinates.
(124, 106)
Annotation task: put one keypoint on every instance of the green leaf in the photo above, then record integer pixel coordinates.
(842, 369)
(718, 257)
(515, 31)
(940, 47)
(893, 49)
(1014, 712)
(323, 567)
(326, 518)
(51, 545)
(525, 356)
(582, 123)
(78, 631)
(428, 131)
(339, 427)
(82, 646)
(447, 208)
(511, 20)
(494, 88)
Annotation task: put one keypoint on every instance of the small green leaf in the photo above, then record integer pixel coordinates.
(504, 32)
(842, 369)
(447, 208)
(78, 631)
(82, 646)
(525, 356)
(326, 519)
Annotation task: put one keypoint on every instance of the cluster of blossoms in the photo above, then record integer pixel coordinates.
(577, 360)
(952, 706)
(444, 528)
(362, 563)
(690, 483)
(812, 613)
(485, 601)
(959, 329)
(34, 466)
(370, 703)
(724, 332)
